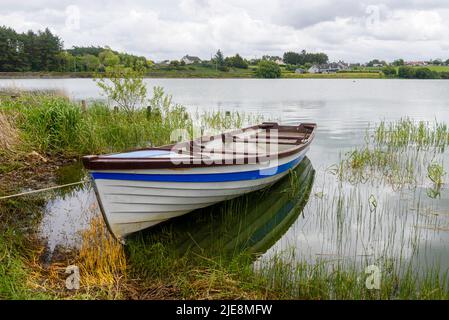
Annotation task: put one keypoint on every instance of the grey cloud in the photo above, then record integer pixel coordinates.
(171, 28)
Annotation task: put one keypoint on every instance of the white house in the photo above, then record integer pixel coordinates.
(190, 59)
(328, 67)
(279, 62)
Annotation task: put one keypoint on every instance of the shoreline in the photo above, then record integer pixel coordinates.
(160, 75)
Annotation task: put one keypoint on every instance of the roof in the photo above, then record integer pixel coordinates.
(191, 58)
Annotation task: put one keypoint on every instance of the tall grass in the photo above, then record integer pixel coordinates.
(9, 135)
(102, 260)
(406, 132)
(55, 125)
(399, 153)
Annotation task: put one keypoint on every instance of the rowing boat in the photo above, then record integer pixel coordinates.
(141, 188)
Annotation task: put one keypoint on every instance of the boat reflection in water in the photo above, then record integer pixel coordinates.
(252, 223)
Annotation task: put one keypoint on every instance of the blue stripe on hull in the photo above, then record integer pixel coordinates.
(206, 177)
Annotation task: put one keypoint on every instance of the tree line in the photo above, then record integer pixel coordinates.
(305, 58)
(43, 51)
(30, 51)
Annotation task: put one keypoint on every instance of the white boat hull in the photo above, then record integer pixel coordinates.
(132, 201)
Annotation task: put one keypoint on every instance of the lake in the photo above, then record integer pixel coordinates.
(340, 220)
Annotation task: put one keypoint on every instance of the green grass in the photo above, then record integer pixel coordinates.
(437, 68)
(406, 132)
(401, 153)
(54, 125)
(340, 75)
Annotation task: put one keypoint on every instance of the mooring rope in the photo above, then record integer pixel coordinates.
(42, 190)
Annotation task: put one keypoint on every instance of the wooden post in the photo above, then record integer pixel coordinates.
(83, 105)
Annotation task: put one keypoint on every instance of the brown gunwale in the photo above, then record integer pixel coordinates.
(96, 162)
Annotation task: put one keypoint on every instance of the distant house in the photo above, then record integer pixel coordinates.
(300, 71)
(279, 62)
(416, 63)
(190, 59)
(164, 63)
(343, 65)
(327, 68)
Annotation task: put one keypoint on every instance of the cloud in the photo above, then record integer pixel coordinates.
(346, 29)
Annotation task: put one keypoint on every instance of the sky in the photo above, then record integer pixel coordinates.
(349, 30)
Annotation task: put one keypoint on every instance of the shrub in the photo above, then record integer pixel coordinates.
(406, 72)
(389, 71)
(425, 73)
(268, 69)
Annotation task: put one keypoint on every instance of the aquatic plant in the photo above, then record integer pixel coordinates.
(406, 132)
(435, 172)
(396, 153)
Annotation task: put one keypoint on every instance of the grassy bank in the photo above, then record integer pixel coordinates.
(198, 72)
(55, 127)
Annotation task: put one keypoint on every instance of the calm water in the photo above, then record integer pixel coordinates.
(338, 221)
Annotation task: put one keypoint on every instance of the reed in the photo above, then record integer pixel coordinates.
(102, 260)
(407, 132)
(9, 134)
(397, 153)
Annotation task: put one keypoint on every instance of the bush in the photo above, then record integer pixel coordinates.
(425, 73)
(406, 72)
(389, 71)
(268, 69)
(236, 62)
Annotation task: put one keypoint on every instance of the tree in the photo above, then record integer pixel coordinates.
(292, 58)
(108, 58)
(389, 71)
(425, 73)
(29, 51)
(447, 62)
(49, 47)
(268, 69)
(219, 60)
(66, 62)
(398, 62)
(124, 86)
(90, 62)
(81, 51)
(406, 72)
(236, 62)
(304, 57)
